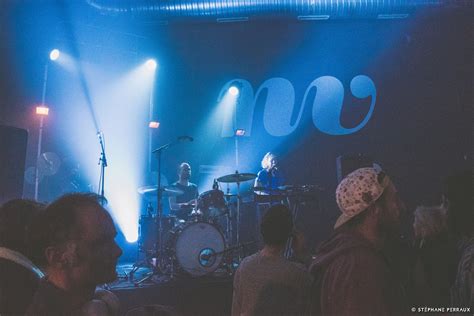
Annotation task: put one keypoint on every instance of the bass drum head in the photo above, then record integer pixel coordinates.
(196, 248)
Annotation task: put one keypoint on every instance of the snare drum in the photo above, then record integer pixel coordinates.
(198, 247)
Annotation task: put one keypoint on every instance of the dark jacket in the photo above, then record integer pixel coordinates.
(434, 271)
(51, 300)
(17, 286)
(352, 277)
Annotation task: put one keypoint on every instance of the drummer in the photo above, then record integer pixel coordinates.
(183, 204)
(270, 177)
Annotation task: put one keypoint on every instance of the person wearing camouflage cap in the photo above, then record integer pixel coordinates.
(351, 274)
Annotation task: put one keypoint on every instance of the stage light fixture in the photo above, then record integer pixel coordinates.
(154, 124)
(234, 90)
(151, 64)
(42, 110)
(54, 54)
(239, 132)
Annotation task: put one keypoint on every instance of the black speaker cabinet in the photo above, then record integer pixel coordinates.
(13, 142)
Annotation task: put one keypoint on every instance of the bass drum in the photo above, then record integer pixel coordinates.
(198, 248)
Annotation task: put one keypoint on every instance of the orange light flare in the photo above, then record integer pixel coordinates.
(154, 124)
(42, 110)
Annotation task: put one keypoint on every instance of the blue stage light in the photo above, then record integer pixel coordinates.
(151, 64)
(54, 54)
(233, 90)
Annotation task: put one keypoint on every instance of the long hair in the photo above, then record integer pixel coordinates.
(430, 221)
(267, 160)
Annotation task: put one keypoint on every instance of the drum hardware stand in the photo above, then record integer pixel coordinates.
(238, 218)
(229, 230)
(295, 207)
(229, 224)
(146, 261)
(237, 178)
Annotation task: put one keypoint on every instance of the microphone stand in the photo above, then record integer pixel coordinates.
(103, 165)
(159, 209)
(159, 191)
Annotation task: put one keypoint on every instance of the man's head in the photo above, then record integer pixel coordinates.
(74, 238)
(184, 171)
(365, 193)
(15, 217)
(429, 221)
(277, 225)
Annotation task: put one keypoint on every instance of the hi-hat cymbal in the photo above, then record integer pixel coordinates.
(149, 191)
(237, 177)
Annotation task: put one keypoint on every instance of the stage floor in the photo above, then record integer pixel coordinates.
(207, 295)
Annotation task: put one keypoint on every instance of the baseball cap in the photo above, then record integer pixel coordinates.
(357, 191)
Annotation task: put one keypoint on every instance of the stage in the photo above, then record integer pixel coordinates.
(209, 295)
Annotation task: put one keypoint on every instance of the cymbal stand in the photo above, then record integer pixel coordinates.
(238, 218)
(229, 231)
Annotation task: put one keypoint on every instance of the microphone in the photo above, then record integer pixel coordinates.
(185, 139)
(273, 171)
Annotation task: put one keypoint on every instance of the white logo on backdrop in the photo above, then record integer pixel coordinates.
(279, 105)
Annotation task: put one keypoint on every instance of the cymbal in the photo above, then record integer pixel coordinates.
(237, 177)
(149, 191)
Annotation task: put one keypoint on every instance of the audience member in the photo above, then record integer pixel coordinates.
(351, 274)
(266, 283)
(457, 193)
(435, 257)
(73, 241)
(19, 277)
(458, 197)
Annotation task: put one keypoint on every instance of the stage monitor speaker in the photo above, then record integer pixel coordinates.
(345, 164)
(13, 142)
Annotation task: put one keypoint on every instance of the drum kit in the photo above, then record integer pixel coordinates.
(201, 243)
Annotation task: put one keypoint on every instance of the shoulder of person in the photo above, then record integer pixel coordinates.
(299, 269)
(298, 266)
(248, 261)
